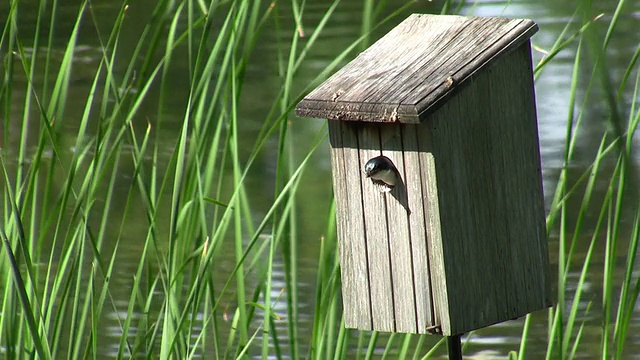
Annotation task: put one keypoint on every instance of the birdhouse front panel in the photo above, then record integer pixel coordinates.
(384, 249)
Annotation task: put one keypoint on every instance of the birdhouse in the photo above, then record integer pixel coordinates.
(436, 176)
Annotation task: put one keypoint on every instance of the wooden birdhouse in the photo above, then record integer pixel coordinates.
(458, 242)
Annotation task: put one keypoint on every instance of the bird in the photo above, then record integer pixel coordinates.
(382, 172)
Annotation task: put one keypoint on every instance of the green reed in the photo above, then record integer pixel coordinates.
(63, 235)
(566, 330)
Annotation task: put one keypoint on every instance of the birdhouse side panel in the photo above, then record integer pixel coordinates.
(466, 216)
(489, 188)
(518, 158)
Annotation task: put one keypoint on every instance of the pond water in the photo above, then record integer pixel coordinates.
(552, 90)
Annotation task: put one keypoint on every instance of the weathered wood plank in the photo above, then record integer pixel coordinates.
(397, 209)
(462, 247)
(406, 74)
(437, 274)
(380, 276)
(350, 227)
(413, 175)
(449, 58)
(520, 156)
(490, 199)
(398, 58)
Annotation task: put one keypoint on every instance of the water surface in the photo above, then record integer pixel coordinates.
(260, 88)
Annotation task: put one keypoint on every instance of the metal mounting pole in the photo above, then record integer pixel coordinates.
(455, 347)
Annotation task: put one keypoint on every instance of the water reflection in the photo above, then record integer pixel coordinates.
(261, 86)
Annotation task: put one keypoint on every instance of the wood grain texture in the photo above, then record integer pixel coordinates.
(414, 177)
(350, 226)
(399, 285)
(397, 211)
(490, 195)
(377, 234)
(413, 69)
(431, 218)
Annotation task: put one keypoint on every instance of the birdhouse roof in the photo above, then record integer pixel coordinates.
(413, 69)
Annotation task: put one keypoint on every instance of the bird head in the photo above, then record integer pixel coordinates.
(382, 172)
(377, 164)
